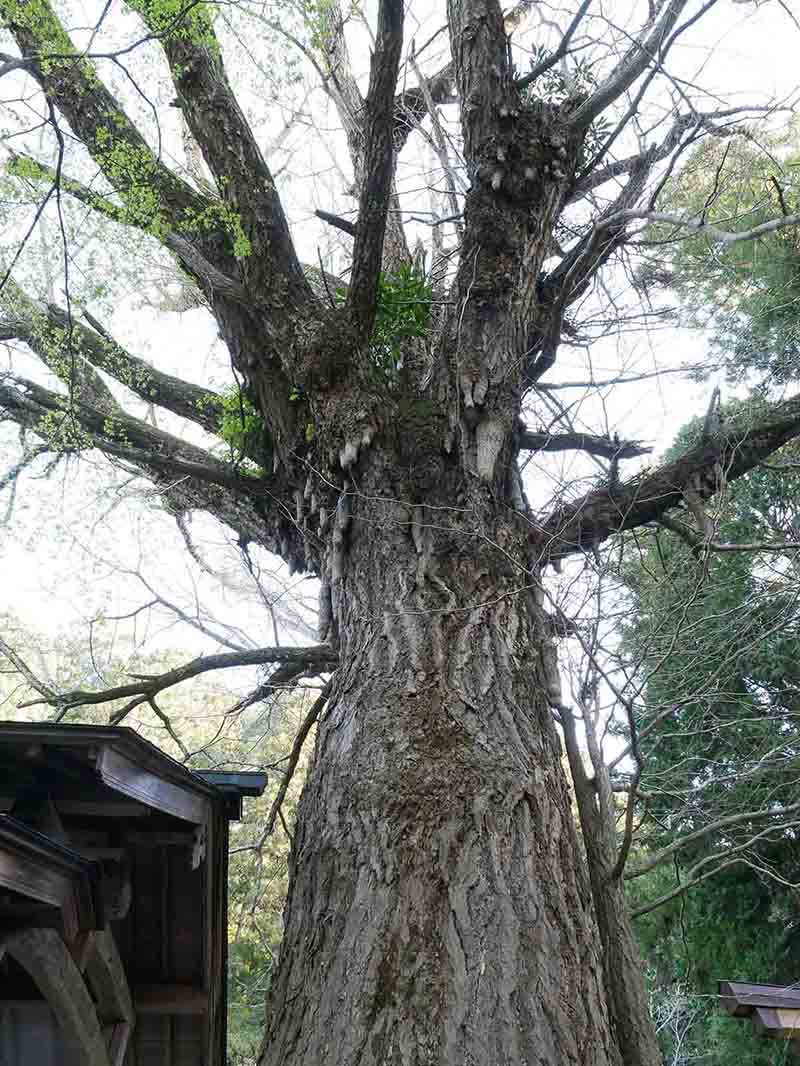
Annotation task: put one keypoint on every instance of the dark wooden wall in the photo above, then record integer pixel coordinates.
(161, 944)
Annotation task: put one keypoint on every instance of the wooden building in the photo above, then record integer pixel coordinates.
(774, 1010)
(113, 900)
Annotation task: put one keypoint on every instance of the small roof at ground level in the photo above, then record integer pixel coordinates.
(774, 1010)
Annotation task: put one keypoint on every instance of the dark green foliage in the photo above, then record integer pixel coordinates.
(716, 639)
(736, 927)
(243, 430)
(404, 308)
(747, 294)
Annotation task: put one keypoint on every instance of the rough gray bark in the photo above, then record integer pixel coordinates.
(438, 911)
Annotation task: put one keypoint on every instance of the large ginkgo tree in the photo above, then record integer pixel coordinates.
(439, 909)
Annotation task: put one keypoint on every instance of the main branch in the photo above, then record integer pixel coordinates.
(319, 657)
(261, 510)
(376, 192)
(587, 522)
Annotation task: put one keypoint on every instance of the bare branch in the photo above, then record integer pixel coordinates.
(439, 144)
(607, 447)
(732, 857)
(48, 694)
(607, 383)
(413, 104)
(341, 86)
(700, 544)
(707, 229)
(148, 687)
(291, 765)
(573, 274)
(712, 827)
(350, 228)
(550, 61)
(590, 520)
(642, 53)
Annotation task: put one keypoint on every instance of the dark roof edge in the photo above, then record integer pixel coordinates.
(123, 738)
(243, 782)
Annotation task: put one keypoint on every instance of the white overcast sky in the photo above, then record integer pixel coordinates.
(744, 52)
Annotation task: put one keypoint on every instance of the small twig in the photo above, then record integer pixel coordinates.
(50, 696)
(779, 191)
(329, 294)
(294, 758)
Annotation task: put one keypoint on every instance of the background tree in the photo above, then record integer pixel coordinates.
(438, 907)
(746, 296)
(718, 615)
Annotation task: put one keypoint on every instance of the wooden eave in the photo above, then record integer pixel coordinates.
(741, 999)
(121, 760)
(41, 869)
(774, 1010)
(245, 782)
(235, 785)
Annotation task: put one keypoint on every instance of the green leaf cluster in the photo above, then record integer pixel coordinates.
(242, 429)
(179, 20)
(403, 312)
(316, 16)
(558, 84)
(219, 216)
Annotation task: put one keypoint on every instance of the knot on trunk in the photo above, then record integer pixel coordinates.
(326, 350)
(529, 148)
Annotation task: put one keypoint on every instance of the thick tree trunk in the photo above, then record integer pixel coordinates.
(438, 911)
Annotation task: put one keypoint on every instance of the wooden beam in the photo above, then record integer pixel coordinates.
(741, 999)
(124, 775)
(43, 954)
(106, 976)
(118, 1043)
(142, 838)
(169, 999)
(43, 870)
(103, 809)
